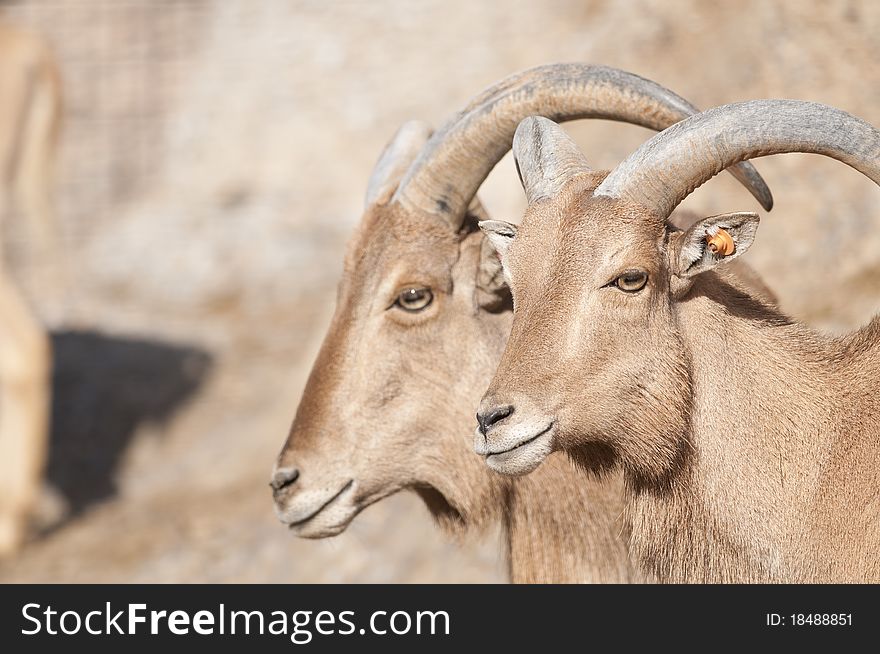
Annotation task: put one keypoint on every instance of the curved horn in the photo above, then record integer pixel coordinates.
(546, 157)
(459, 157)
(397, 156)
(665, 169)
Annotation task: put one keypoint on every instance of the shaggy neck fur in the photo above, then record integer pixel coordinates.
(582, 532)
(779, 472)
(558, 525)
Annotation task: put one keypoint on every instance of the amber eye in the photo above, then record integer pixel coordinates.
(632, 281)
(414, 299)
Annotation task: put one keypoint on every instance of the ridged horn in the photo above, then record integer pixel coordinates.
(396, 158)
(546, 157)
(669, 166)
(458, 158)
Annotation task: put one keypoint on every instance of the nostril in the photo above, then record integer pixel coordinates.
(283, 478)
(493, 416)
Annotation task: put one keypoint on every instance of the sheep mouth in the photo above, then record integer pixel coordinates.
(333, 511)
(524, 443)
(525, 456)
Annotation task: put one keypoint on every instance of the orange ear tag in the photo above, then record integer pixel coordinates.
(721, 243)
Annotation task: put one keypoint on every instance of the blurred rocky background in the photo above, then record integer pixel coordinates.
(214, 160)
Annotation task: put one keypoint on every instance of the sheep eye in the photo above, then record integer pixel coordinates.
(632, 281)
(414, 299)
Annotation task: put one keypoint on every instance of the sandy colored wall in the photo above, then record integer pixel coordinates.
(214, 160)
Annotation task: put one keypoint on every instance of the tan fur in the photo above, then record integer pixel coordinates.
(749, 442)
(29, 116)
(391, 400)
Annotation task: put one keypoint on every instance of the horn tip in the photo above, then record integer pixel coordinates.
(752, 180)
(763, 195)
(530, 124)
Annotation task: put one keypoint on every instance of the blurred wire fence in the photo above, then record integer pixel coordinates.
(121, 65)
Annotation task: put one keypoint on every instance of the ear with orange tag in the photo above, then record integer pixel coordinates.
(721, 243)
(711, 241)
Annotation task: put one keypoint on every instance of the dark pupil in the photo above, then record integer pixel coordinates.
(412, 295)
(632, 281)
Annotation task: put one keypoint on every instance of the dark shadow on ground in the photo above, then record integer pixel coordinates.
(103, 388)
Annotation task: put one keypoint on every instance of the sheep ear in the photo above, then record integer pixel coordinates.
(493, 278)
(493, 293)
(500, 235)
(712, 241)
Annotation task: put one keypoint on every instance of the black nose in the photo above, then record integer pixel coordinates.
(490, 417)
(283, 478)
